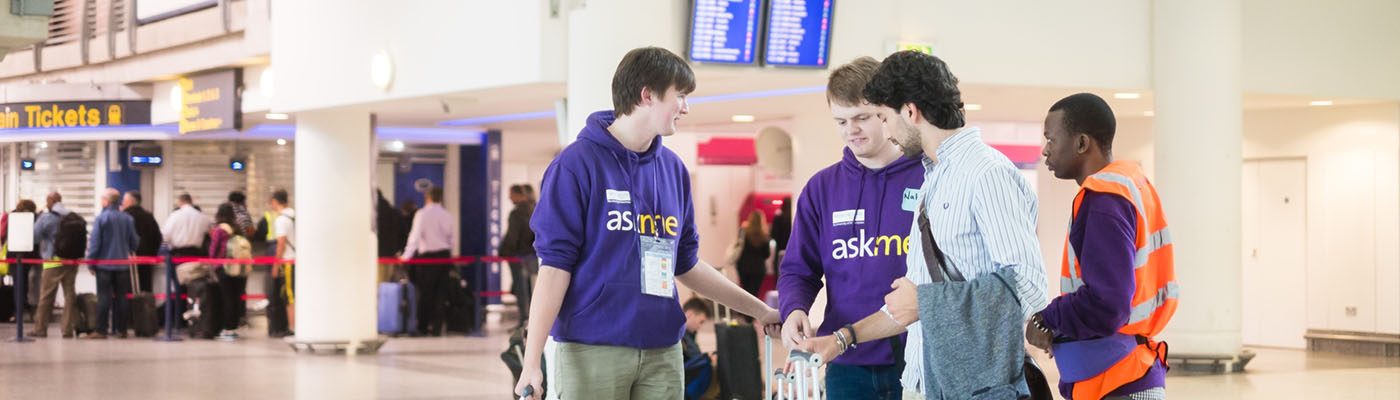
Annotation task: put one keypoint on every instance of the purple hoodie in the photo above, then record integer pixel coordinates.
(597, 197)
(851, 225)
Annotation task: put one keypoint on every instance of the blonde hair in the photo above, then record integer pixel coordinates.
(754, 231)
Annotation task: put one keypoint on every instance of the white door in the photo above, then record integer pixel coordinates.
(1274, 254)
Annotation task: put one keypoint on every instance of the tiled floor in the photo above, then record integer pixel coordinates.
(256, 367)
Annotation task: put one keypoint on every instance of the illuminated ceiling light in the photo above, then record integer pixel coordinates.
(175, 94)
(1148, 113)
(276, 116)
(1320, 103)
(266, 84)
(741, 118)
(43, 145)
(396, 145)
(381, 70)
(281, 142)
(972, 107)
(1127, 95)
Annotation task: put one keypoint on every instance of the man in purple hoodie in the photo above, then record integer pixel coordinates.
(850, 226)
(615, 230)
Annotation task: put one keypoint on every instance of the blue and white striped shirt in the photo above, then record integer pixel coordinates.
(983, 213)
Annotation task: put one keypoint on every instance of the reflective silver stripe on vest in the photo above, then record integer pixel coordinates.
(1128, 183)
(1155, 241)
(1145, 310)
(1072, 283)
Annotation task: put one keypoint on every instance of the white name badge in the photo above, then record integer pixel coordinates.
(619, 196)
(658, 266)
(911, 200)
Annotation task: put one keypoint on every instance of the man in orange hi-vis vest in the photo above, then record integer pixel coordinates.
(1117, 285)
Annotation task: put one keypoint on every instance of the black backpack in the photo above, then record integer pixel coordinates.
(71, 241)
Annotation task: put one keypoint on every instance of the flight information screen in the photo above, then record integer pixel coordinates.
(799, 33)
(724, 31)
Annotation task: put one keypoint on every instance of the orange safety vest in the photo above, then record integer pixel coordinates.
(1155, 299)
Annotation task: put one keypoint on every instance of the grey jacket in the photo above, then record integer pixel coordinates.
(973, 338)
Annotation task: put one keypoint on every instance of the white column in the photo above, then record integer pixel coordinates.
(1196, 80)
(335, 292)
(452, 192)
(600, 33)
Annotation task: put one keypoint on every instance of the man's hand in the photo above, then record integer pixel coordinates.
(1036, 337)
(797, 329)
(532, 377)
(824, 345)
(903, 302)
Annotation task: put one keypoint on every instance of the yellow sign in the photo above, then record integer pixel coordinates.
(70, 114)
(209, 102)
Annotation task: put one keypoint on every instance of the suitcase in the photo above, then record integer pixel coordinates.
(398, 308)
(85, 313)
(801, 379)
(516, 352)
(737, 369)
(143, 309)
(461, 309)
(207, 321)
(7, 302)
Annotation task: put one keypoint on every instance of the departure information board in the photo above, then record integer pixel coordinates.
(798, 34)
(724, 31)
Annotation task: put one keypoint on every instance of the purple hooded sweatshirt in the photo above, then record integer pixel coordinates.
(851, 225)
(596, 200)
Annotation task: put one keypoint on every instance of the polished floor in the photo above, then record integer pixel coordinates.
(256, 367)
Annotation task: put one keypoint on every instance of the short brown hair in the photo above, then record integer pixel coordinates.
(653, 68)
(435, 194)
(846, 83)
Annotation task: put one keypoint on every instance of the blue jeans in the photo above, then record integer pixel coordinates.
(113, 286)
(863, 382)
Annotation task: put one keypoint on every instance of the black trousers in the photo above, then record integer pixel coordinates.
(431, 281)
(234, 307)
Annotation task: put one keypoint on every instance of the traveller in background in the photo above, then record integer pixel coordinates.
(753, 259)
(232, 288)
(431, 237)
(151, 236)
(280, 298)
(520, 242)
(31, 274)
(243, 220)
(781, 231)
(185, 228)
(392, 234)
(113, 237)
(46, 231)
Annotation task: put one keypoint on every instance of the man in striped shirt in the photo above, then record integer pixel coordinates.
(983, 211)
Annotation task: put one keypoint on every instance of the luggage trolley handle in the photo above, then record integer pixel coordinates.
(803, 378)
(767, 365)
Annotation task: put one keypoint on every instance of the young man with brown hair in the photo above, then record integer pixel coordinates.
(849, 228)
(615, 230)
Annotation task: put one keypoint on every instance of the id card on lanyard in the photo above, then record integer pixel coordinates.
(658, 266)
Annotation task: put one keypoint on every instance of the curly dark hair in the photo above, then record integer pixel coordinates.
(923, 79)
